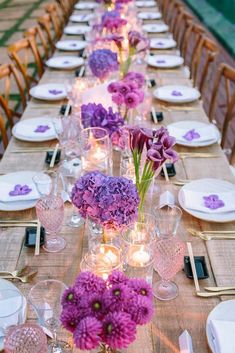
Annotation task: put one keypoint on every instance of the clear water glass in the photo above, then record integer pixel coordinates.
(167, 219)
(50, 212)
(70, 173)
(26, 338)
(168, 260)
(11, 309)
(45, 182)
(45, 298)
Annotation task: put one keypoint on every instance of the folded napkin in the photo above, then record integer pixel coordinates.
(209, 202)
(31, 129)
(201, 134)
(10, 192)
(223, 336)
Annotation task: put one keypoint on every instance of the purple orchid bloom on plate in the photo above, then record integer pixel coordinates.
(191, 135)
(55, 92)
(176, 93)
(20, 190)
(42, 128)
(213, 202)
(160, 43)
(66, 62)
(73, 45)
(161, 61)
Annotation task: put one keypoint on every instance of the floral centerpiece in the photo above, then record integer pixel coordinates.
(109, 201)
(105, 314)
(102, 62)
(112, 21)
(150, 149)
(127, 93)
(95, 115)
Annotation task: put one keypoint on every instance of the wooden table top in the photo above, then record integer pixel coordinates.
(187, 311)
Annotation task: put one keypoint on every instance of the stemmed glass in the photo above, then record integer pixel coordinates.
(169, 251)
(70, 172)
(50, 212)
(45, 297)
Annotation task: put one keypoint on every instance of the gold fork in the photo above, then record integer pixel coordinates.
(14, 273)
(215, 294)
(214, 234)
(23, 279)
(184, 155)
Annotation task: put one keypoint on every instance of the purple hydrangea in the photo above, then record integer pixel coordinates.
(102, 62)
(87, 333)
(109, 201)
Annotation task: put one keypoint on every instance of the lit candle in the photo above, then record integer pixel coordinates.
(139, 256)
(99, 154)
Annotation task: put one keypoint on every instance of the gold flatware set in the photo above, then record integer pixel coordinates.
(23, 275)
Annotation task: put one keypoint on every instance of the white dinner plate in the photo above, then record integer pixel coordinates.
(24, 177)
(208, 186)
(187, 125)
(155, 27)
(8, 285)
(162, 43)
(177, 94)
(165, 61)
(86, 5)
(76, 30)
(147, 3)
(65, 62)
(35, 130)
(71, 45)
(86, 17)
(149, 15)
(49, 92)
(224, 311)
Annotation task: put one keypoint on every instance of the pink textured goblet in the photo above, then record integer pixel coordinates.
(25, 338)
(169, 254)
(50, 212)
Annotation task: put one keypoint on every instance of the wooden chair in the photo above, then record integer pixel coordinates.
(24, 53)
(205, 55)
(180, 25)
(10, 81)
(46, 24)
(41, 41)
(66, 8)
(56, 19)
(3, 133)
(223, 100)
(174, 10)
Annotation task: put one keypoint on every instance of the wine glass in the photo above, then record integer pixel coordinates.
(26, 338)
(70, 172)
(45, 298)
(11, 309)
(50, 212)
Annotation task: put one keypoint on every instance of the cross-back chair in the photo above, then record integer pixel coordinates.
(40, 39)
(180, 25)
(24, 54)
(224, 90)
(46, 24)
(56, 19)
(174, 11)
(66, 8)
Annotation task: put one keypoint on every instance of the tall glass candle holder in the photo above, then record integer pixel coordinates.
(96, 150)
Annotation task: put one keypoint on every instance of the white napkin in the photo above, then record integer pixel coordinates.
(194, 201)
(223, 333)
(98, 94)
(28, 128)
(6, 188)
(206, 133)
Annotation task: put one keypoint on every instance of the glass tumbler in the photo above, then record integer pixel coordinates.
(26, 338)
(11, 309)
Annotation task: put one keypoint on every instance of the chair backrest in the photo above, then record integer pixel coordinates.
(47, 26)
(223, 98)
(66, 8)
(11, 86)
(174, 11)
(24, 53)
(3, 133)
(39, 38)
(190, 41)
(180, 25)
(204, 57)
(56, 19)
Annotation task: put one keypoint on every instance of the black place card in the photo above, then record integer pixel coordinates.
(63, 109)
(30, 236)
(159, 116)
(49, 157)
(170, 170)
(200, 264)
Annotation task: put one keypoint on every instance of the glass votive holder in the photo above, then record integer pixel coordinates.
(11, 309)
(167, 219)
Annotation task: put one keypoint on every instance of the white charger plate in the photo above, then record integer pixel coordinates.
(49, 92)
(149, 15)
(187, 94)
(24, 177)
(165, 61)
(188, 125)
(71, 45)
(86, 6)
(32, 124)
(8, 285)
(155, 27)
(147, 3)
(162, 43)
(76, 30)
(86, 17)
(65, 62)
(224, 311)
(208, 186)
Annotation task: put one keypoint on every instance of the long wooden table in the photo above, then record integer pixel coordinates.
(187, 311)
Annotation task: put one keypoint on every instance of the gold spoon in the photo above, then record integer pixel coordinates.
(23, 279)
(218, 289)
(15, 273)
(209, 295)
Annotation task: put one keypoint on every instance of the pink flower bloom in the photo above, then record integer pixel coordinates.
(141, 310)
(118, 99)
(131, 100)
(123, 88)
(140, 95)
(70, 318)
(113, 87)
(87, 333)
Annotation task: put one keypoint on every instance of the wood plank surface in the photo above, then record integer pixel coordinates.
(185, 312)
